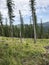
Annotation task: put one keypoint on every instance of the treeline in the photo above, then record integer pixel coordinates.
(28, 31)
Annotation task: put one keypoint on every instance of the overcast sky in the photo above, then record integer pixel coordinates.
(42, 10)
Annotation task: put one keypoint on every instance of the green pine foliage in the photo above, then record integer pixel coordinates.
(1, 26)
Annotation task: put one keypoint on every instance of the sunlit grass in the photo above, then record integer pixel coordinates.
(13, 52)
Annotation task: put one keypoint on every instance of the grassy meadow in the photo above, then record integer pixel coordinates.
(13, 52)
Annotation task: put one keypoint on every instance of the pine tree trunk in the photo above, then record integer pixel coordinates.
(11, 29)
(34, 28)
(20, 36)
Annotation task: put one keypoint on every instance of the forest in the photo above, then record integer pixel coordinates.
(26, 30)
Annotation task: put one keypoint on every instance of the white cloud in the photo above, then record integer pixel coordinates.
(23, 5)
(42, 5)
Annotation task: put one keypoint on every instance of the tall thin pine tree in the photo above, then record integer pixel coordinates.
(21, 29)
(33, 16)
(11, 15)
(1, 22)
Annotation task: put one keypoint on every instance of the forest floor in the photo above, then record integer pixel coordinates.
(13, 52)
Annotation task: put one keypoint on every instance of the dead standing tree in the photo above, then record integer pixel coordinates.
(21, 26)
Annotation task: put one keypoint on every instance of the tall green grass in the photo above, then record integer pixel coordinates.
(12, 52)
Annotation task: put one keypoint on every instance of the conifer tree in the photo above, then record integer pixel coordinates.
(21, 25)
(33, 17)
(11, 15)
(41, 30)
(1, 25)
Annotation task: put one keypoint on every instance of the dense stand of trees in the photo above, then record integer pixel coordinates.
(28, 31)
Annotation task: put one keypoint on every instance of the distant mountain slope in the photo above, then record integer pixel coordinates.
(46, 24)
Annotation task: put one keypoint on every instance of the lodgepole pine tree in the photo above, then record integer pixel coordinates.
(31, 27)
(11, 15)
(22, 27)
(41, 30)
(33, 16)
(1, 26)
